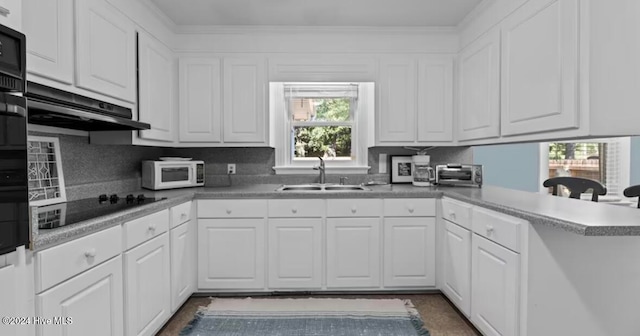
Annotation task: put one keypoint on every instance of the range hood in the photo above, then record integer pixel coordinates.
(52, 107)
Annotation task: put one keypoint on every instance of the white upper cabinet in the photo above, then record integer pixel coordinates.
(200, 100)
(10, 13)
(244, 100)
(540, 68)
(435, 99)
(479, 88)
(397, 100)
(156, 100)
(48, 26)
(105, 50)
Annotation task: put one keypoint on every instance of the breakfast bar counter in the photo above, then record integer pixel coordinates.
(575, 216)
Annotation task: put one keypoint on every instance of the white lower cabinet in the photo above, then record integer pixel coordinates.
(481, 270)
(231, 253)
(353, 252)
(409, 252)
(7, 294)
(147, 286)
(456, 273)
(183, 263)
(93, 301)
(295, 253)
(495, 288)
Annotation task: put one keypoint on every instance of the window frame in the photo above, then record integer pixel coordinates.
(361, 132)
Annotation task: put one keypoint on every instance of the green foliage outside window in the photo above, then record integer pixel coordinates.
(334, 141)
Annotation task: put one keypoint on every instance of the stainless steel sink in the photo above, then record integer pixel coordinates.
(322, 187)
(300, 187)
(345, 188)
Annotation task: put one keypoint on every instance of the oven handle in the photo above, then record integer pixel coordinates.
(11, 105)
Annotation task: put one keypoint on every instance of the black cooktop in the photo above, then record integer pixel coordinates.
(57, 215)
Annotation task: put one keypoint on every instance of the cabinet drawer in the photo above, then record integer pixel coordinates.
(409, 207)
(296, 208)
(354, 207)
(142, 229)
(233, 208)
(499, 228)
(64, 261)
(180, 214)
(457, 212)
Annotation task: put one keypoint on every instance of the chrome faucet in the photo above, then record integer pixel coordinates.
(321, 169)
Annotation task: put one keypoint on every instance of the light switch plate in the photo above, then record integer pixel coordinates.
(382, 168)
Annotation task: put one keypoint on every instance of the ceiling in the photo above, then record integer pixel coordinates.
(358, 13)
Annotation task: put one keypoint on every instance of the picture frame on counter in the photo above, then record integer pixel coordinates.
(401, 169)
(45, 177)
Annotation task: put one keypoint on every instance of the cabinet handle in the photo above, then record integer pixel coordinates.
(353, 209)
(452, 214)
(489, 230)
(294, 210)
(4, 11)
(152, 227)
(410, 208)
(228, 211)
(91, 253)
(183, 216)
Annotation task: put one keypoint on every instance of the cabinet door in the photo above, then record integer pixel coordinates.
(409, 252)
(8, 277)
(353, 252)
(244, 100)
(105, 50)
(48, 26)
(156, 96)
(397, 108)
(540, 67)
(494, 288)
(456, 272)
(93, 300)
(231, 253)
(479, 88)
(200, 99)
(147, 286)
(11, 14)
(295, 253)
(435, 99)
(183, 264)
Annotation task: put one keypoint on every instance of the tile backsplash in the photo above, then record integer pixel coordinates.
(91, 169)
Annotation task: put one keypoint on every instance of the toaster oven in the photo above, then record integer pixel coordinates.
(459, 174)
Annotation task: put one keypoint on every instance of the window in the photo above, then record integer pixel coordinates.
(327, 120)
(603, 160)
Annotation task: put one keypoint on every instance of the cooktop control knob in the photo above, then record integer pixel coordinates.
(103, 198)
(141, 198)
(130, 199)
(113, 199)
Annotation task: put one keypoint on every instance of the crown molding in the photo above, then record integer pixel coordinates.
(166, 20)
(212, 29)
(475, 12)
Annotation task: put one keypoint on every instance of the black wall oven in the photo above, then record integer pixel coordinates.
(14, 199)
(14, 187)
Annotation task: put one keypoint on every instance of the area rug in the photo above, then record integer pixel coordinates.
(307, 317)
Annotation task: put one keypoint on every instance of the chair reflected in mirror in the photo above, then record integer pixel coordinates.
(633, 191)
(576, 186)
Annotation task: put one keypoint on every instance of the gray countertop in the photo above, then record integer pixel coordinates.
(576, 216)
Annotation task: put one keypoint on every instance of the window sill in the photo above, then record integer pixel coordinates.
(289, 170)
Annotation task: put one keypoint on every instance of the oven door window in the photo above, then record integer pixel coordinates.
(174, 174)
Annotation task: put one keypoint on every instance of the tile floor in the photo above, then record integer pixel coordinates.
(437, 313)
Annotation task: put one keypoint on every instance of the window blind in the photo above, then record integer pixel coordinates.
(315, 90)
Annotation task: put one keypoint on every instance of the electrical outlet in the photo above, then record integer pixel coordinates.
(231, 168)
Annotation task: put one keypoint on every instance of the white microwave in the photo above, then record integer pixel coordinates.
(159, 175)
